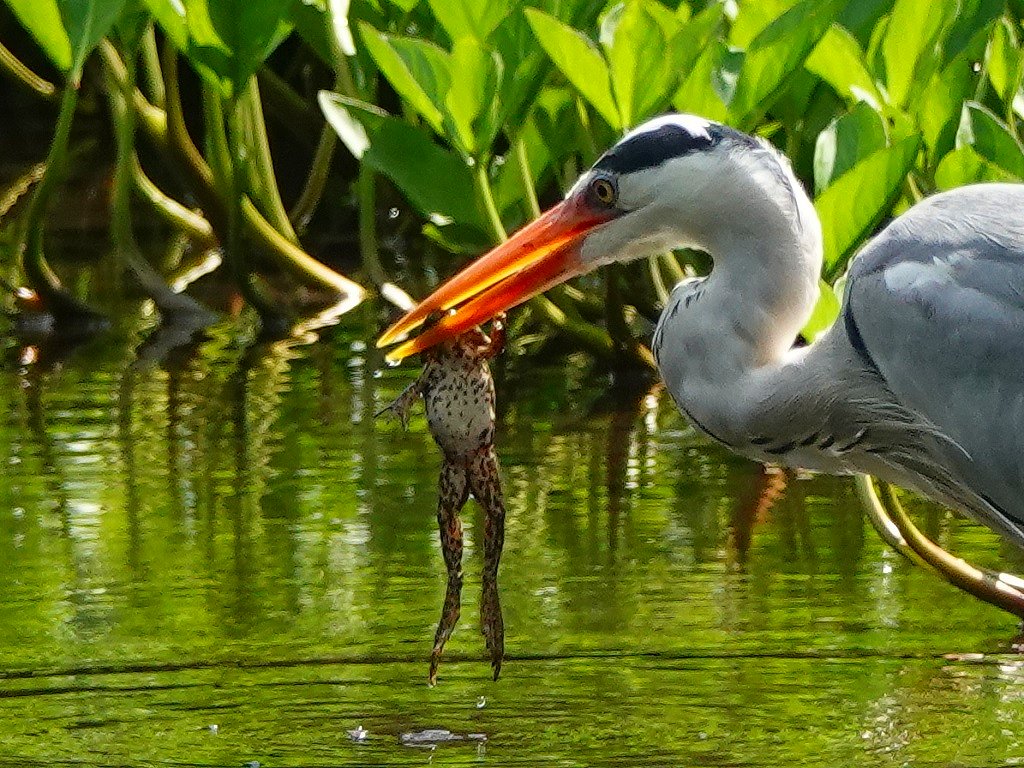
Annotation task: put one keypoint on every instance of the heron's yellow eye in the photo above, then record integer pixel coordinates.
(603, 190)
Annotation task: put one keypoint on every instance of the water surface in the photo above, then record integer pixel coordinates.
(218, 557)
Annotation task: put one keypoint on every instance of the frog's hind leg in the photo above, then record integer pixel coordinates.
(485, 483)
(453, 490)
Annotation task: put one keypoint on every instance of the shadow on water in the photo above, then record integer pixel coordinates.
(215, 555)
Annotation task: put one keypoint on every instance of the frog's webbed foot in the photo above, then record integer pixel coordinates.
(399, 407)
(485, 482)
(453, 490)
(492, 625)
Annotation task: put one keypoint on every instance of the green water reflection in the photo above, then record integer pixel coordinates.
(224, 537)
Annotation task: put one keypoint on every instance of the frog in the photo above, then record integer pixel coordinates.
(459, 398)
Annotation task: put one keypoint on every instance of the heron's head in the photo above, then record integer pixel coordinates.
(676, 181)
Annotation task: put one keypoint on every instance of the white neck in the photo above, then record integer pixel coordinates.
(721, 351)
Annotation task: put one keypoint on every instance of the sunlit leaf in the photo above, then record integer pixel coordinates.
(940, 107)
(910, 47)
(438, 183)
(579, 60)
(777, 52)
(826, 310)
(42, 20)
(857, 201)
(845, 142)
(419, 71)
(170, 16)
(711, 82)
(990, 138)
(475, 77)
(470, 18)
(965, 166)
(839, 61)
(637, 45)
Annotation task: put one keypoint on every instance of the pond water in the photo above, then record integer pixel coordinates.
(220, 559)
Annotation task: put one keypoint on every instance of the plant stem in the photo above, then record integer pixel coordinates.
(37, 271)
(151, 68)
(368, 224)
(525, 174)
(10, 63)
(189, 222)
(258, 176)
(316, 181)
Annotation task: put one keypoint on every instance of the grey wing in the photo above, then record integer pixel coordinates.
(936, 303)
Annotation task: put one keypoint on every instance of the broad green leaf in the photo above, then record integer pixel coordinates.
(476, 74)
(170, 16)
(851, 208)
(87, 22)
(970, 16)
(778, 51)
(990, 138)
(470, 18)
(1002, 63)
(826, 310)
(351, 132)
(636, 45)
(419, 71)
(579, 60)
(312, 22)
(839, 61)
(42, 20)
(845, 142)
(965, 166)
(711, 83)
(231, 39)
(753, 18)
(132, 24)
(910, 47)
(435, 181)
(940, 108)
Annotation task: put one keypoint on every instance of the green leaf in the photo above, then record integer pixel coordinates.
(230, 39)
(435, 181)
(990, 138)
(910, 47)
(470, 104)
(965, 166)
(419, 71)
(132, 24)
(940, 108)
(579, 60)
(171, 19)
(637, 45)
(711, 83)
(87, 22)
(778, 51)
(839, 61)
(42, 20)
(470, 18)
(826, 310)
(1002, 62)
(845, 142)
(851, 208)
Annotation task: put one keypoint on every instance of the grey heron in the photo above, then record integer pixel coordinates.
(919, 383)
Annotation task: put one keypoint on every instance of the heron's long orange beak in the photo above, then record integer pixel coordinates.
(542, 254)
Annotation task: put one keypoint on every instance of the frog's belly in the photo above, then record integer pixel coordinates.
(461, 422)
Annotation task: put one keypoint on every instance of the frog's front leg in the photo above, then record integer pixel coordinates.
(401, 405)
(485, 483)
(496, 342)
(453, 490)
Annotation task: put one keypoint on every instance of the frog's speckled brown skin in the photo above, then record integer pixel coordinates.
(458, 393)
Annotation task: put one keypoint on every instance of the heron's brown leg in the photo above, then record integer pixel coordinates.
(1000, 589)
(453, 490)
(485, 483)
